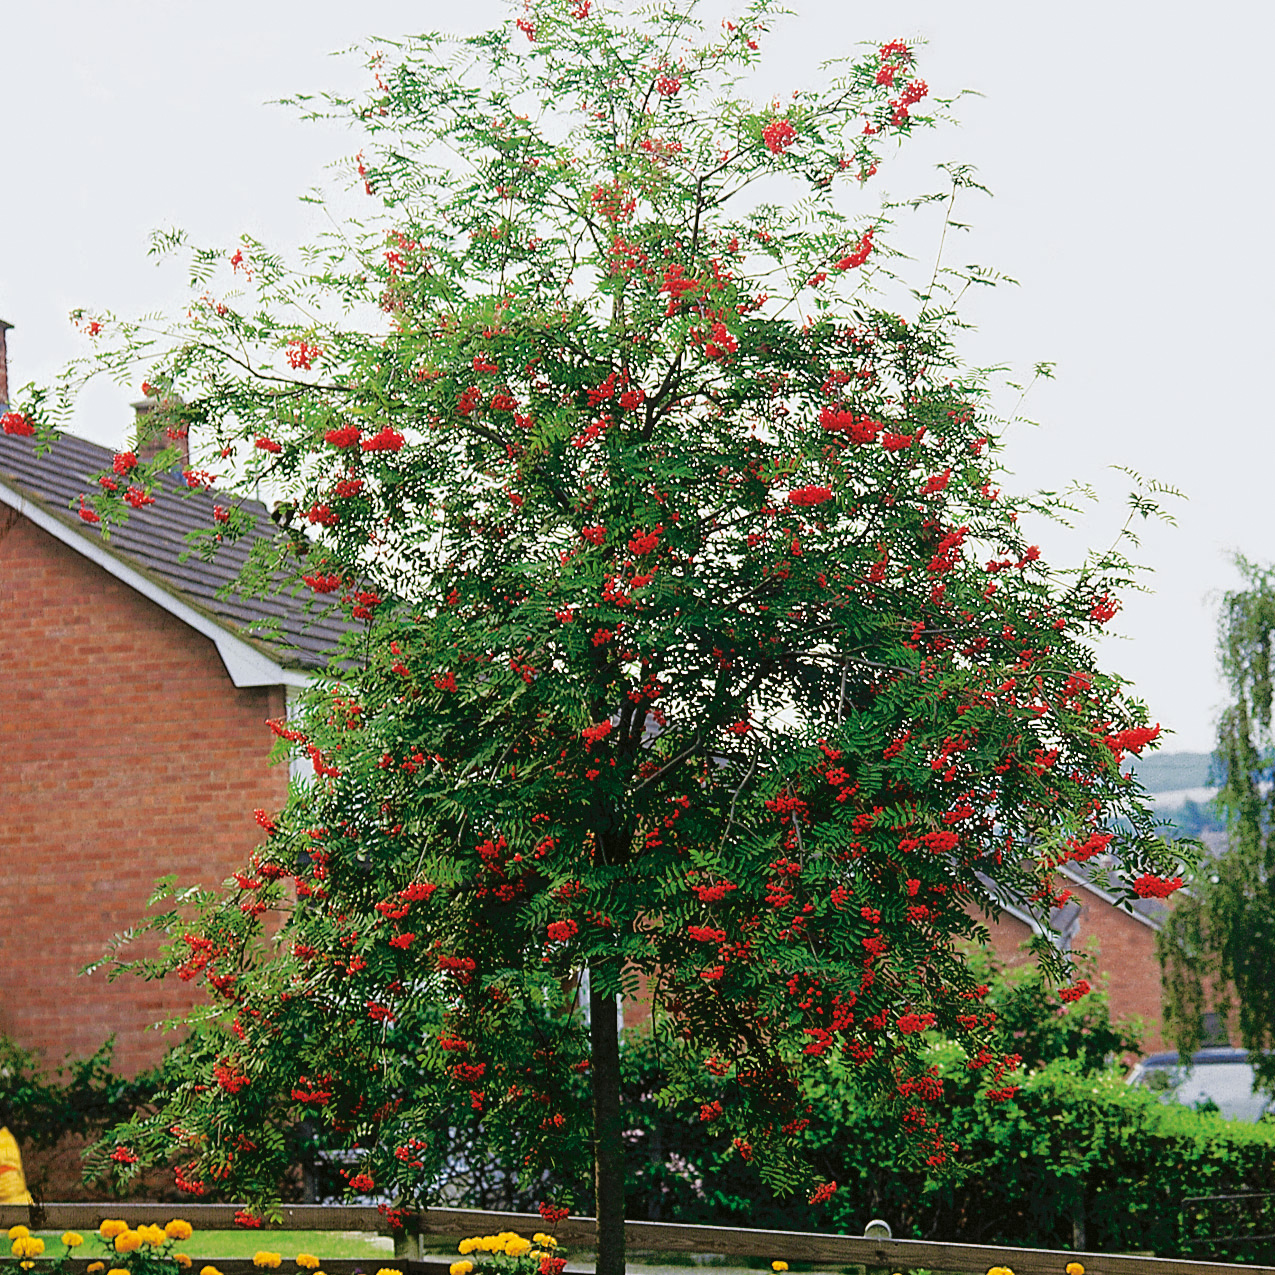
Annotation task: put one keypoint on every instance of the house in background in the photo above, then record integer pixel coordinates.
(134, 702)
(1123, 944)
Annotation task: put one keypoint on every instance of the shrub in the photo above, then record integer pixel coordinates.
(1075, 1157)
(83, 1097)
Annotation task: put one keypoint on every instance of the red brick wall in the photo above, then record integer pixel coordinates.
(1008, 934)
(1126, 955)
(1125, 952)
(127, 753)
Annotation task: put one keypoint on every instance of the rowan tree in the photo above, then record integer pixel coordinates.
(698, 648)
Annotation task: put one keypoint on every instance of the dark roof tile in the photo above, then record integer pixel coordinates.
(155, 537)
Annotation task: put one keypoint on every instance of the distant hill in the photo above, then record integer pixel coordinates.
(1174, 772)
(1182, 789)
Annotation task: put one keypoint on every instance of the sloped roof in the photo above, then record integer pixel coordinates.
(1151, 912)
(146, 552)
(1060, 927)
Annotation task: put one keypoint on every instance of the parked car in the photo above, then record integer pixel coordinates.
(1221, 1078)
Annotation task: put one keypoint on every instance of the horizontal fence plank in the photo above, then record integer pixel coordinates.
(835, 1250)
(580, 1233)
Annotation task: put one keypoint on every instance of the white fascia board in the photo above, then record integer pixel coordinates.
(246, 665)
(1076, 879)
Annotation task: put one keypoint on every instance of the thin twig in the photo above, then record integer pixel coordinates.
(730, 817)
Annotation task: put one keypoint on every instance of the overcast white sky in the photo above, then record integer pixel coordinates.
(1128, 146)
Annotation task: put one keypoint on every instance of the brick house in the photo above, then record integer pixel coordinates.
(1123, 943)
(133, 710)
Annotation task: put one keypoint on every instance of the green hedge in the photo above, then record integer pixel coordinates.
(1076, 1158)
(1071, 1150)
(81, 1098)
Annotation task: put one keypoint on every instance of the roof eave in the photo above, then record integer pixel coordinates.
(1107, 897)
(246, 663)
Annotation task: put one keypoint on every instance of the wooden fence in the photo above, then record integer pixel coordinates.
(432, 1227)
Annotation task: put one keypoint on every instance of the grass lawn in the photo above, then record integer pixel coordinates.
(324, 1245)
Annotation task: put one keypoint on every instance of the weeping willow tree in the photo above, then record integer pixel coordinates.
(1218, 948)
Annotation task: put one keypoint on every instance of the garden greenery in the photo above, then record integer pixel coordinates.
(1216, 947)
(1076, 1159)
(81, 1099)
(700, 655)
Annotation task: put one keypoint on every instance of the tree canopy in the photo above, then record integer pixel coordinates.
(701, 658)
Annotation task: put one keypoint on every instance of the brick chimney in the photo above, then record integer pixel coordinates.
(4, 365)
(150, 445)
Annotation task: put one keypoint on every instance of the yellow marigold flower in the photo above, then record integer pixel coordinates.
(118, 1270)
(307, 1261)
(153, 1235)
(1075, 1268)
(267, 1260)
(111, 1228)
(183, 1260)
(27, 1266)
(27, 1246)
(517, 1246)
(389, 1270)
(467, 1246)
(546, 1241)
(779, 1266)
(95, 1268)
(178, 1229)
(206, 1270)
(72, 1239)
(18, 1232)
(128, 1241)
(460, 1268)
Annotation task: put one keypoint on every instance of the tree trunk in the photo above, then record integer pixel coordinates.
(608, 1146)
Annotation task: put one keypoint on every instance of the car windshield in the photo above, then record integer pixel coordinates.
(1229, 1085)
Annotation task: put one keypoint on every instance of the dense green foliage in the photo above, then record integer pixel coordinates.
(1077, 1157)
(1086, 1153)
(81, 1099)
(1218, 948)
